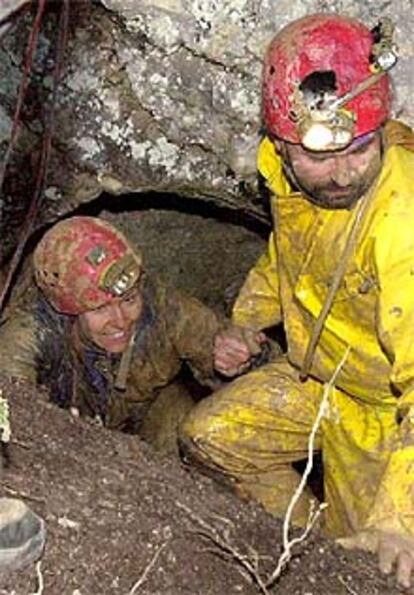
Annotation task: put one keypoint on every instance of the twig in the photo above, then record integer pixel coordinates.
(40, 583)
(225, 546)
(148, 569)
(347, 587)
(313, 515)
(251, 562)
(19, 494)
(24, 445)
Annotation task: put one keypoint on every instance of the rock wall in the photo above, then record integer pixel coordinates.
(160, 96)
(164, 95)
(171, 101)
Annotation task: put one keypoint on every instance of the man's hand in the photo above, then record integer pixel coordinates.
(234, 349)
(394, 551)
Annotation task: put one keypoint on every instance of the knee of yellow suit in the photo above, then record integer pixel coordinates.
(200, 446)
(196, 438)
(189, 432)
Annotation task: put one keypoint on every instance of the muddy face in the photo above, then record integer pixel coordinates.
(334, 179)
(110, 327)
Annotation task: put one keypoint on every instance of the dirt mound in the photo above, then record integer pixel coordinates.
(120, 519)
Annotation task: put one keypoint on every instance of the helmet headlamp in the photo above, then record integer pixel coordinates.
(322, 121)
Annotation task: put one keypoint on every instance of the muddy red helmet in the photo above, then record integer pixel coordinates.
(336, 49)
(82, 263)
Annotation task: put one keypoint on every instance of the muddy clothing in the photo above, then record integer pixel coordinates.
(42, 346)
(256, 427)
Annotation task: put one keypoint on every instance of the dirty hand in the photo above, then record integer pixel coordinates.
(233, 349)
(394, 551)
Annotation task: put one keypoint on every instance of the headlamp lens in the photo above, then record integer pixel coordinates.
(330, 134)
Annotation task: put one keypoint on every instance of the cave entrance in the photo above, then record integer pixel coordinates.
(193, 245)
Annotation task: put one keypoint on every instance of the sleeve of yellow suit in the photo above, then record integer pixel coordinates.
(393, 509)
(257, 305)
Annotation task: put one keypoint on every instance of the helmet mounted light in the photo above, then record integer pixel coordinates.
(121, 276)
(322, 120)
(82, 263)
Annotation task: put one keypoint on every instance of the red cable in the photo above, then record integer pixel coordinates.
(45, 153)
(28, 62)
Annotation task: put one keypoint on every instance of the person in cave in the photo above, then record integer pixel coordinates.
(108, 341)
(339, 275)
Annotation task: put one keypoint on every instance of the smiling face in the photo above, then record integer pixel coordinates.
(110, 327)
(333, 179)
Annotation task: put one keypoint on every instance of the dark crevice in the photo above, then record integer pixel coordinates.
(172, 202)
(130, 203)
(166, 202)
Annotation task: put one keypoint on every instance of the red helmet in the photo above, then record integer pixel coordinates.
(322, 43)
(82, 263)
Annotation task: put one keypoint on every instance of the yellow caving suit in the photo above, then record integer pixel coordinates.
(253, 430)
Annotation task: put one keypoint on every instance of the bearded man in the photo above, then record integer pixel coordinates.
(339, 275)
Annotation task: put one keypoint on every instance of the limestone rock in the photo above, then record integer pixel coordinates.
(164, 96)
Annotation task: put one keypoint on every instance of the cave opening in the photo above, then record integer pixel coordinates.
(194, 245)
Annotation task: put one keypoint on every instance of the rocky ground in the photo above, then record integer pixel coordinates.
(123, 520)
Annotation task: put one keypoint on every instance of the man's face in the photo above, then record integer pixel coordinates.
(333, 179)
(110, 327)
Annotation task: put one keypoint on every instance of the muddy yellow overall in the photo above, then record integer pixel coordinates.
(254, 428)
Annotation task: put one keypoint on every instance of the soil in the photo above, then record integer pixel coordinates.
(112, 506)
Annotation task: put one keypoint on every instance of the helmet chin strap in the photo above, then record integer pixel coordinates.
(124, 365)
(291, 176)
